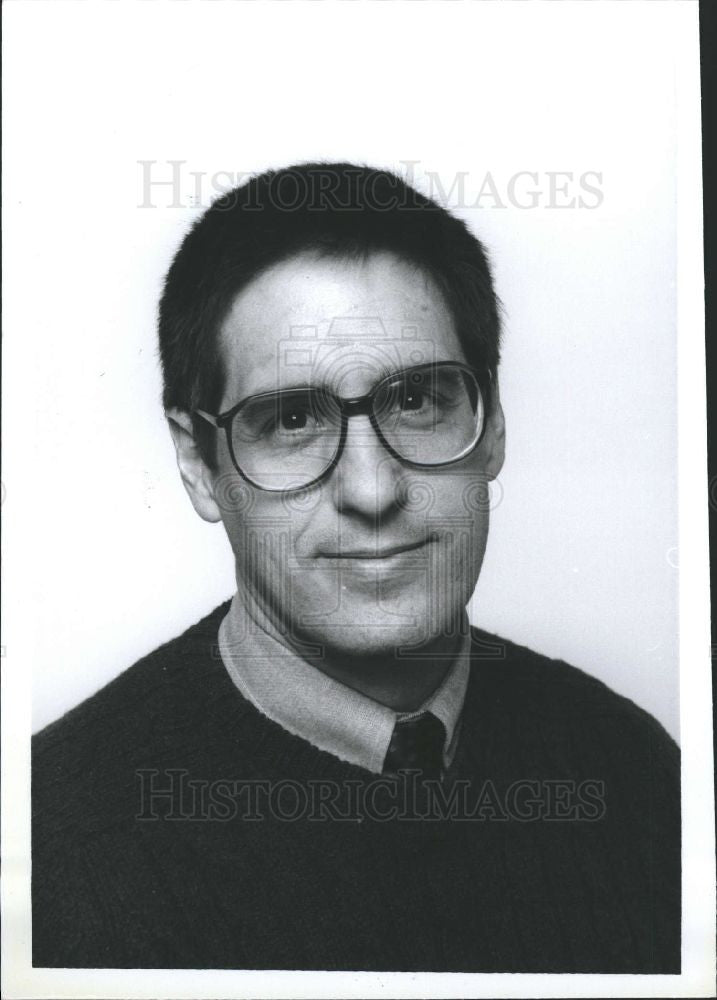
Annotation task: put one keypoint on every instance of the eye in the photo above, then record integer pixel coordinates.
(416, 392)
(294, 418)
(299, 415)
(412, 399)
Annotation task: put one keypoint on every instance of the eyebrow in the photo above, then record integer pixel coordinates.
(294, 387)
(380, 374)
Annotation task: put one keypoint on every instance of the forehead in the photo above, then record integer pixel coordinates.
(339, 322)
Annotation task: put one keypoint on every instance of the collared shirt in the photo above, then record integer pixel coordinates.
(328, 714)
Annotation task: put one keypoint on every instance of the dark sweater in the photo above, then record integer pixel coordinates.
(560, 851)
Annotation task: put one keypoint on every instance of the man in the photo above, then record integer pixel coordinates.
(333, 770)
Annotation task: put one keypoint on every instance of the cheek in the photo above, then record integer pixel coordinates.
(265, 532)
(459, 514)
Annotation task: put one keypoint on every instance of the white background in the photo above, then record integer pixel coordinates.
(103, 557)
(581, 558)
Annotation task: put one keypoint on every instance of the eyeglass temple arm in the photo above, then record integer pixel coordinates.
(208, 417)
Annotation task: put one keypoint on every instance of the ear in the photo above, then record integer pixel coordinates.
(197, 477)
(493, 443)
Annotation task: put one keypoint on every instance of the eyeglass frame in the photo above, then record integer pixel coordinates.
(354, 406)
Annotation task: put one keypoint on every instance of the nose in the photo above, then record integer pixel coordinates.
(366, 479)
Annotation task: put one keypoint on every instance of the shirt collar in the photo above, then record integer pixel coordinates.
(328, 714)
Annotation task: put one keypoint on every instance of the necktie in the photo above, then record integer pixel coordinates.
(417, 743)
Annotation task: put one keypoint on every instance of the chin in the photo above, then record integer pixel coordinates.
(370, 632)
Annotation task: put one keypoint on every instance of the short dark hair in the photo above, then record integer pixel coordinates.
(340, 210)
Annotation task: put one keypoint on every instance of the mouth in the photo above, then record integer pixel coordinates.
(373, 555)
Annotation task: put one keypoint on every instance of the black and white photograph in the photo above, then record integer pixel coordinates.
(355, 501)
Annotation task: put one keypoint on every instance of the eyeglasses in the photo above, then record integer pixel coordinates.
(426, 416)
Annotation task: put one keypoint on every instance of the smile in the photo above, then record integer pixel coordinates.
(394, 552)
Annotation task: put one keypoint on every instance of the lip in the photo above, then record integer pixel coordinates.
(380, 555)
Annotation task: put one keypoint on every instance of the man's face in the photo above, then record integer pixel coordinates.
(378, 554)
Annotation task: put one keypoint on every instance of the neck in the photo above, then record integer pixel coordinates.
(401, 680)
